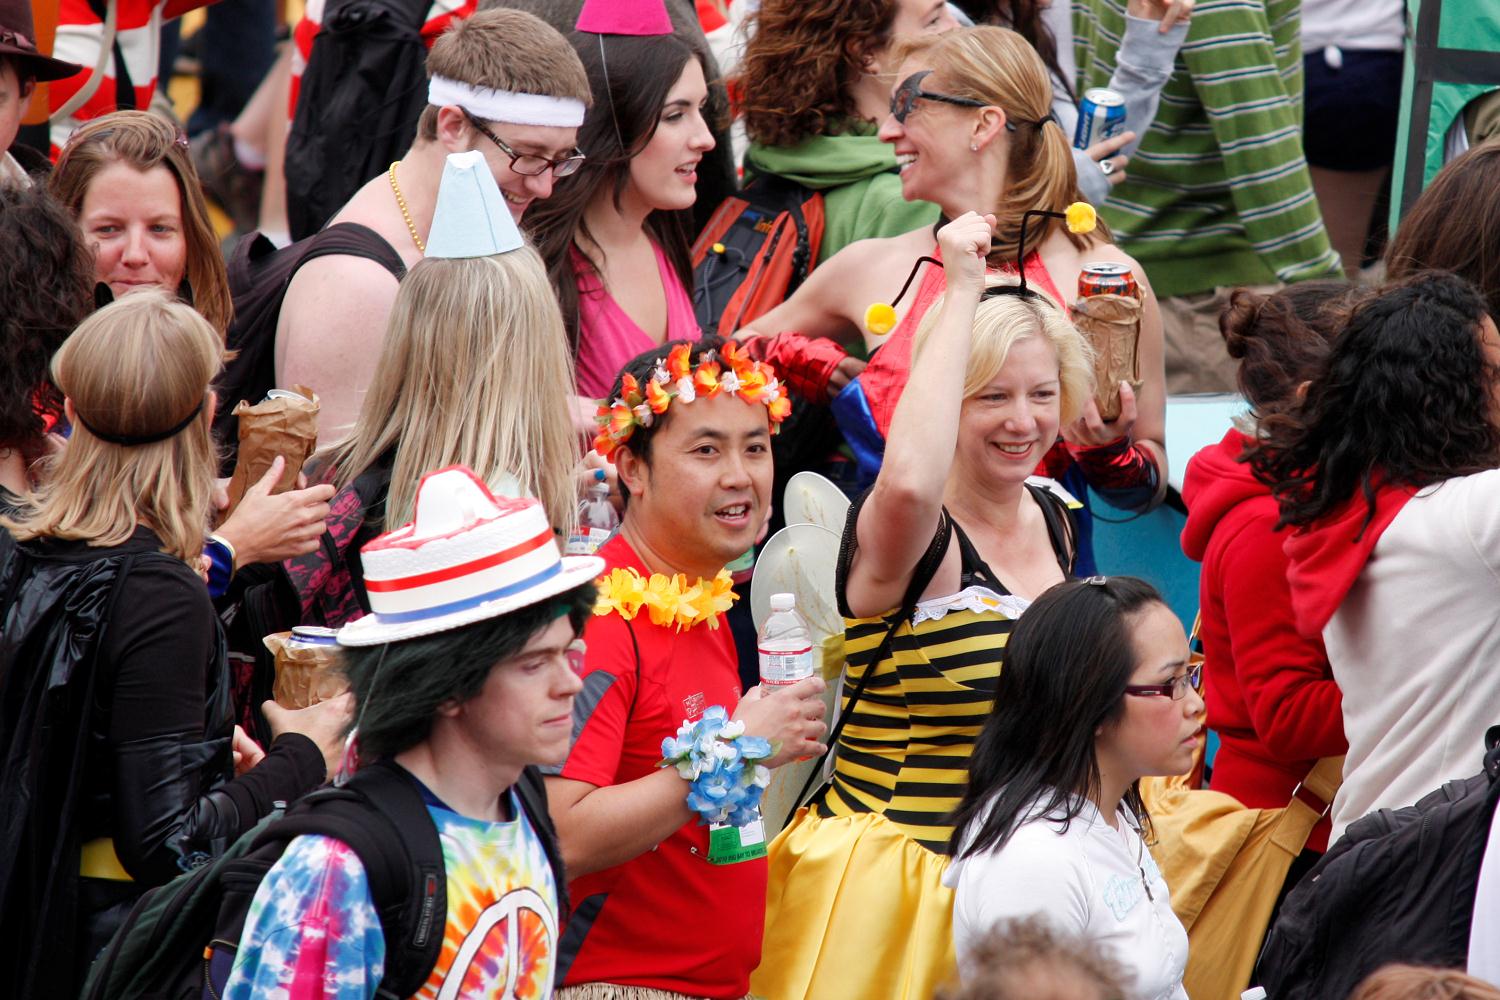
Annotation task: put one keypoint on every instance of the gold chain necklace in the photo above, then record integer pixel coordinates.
(405, 213)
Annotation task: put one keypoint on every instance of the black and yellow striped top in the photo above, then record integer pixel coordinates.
(905, 750)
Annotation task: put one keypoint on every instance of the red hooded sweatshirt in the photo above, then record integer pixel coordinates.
(1270, 693)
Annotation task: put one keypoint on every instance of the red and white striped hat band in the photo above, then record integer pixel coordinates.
(466, 556)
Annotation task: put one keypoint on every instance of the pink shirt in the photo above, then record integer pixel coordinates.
(608, 337)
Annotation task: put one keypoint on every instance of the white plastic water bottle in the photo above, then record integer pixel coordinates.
(1254, 993)
(597, 520)
(785, 644)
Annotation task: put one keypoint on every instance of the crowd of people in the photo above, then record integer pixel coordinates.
(538, 759)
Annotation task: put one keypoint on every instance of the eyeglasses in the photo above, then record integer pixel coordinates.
(910, 91)
(1176, 689)
(530, 164)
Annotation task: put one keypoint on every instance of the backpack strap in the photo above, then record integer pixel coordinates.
(402, 857)
(922, 575)
(351, 239)
(533, 794)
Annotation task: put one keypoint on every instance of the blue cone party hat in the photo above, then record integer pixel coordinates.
(471, 219)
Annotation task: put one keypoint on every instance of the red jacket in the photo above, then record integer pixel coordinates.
(1270, 693)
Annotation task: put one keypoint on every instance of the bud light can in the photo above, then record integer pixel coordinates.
(1106, 277)
(1101, 115)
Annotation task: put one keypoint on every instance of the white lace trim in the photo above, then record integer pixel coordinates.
(976, 598)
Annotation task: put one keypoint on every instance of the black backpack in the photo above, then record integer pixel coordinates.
(180, 939)
(1399, 886)
(364, 89)
(259, 275)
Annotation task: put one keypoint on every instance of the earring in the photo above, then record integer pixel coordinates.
(974, 147)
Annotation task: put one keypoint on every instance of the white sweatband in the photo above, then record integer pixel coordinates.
(504, 106)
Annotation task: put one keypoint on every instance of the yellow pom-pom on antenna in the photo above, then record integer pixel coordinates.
(880, 318)
(1081, 217)
(718, 248)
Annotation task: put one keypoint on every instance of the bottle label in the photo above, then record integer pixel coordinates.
(785, 666)
(586, 541)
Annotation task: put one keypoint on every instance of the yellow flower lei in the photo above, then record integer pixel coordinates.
(669, 600)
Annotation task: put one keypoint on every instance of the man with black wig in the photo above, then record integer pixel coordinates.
(463, 677)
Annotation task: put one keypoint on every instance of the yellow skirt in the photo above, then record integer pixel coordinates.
(855, 909)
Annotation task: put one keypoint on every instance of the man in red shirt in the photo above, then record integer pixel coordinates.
(662, 902)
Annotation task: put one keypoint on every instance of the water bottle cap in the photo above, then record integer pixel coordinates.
(783, 602)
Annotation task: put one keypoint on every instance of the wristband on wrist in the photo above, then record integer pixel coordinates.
(720, 764)
(1121, 472)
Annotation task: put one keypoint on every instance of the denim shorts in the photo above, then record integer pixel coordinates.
(1350, 111)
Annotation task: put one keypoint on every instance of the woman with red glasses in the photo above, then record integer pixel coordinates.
(1096, 693)
(972, 127)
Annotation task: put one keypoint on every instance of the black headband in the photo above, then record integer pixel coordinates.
(134, 439)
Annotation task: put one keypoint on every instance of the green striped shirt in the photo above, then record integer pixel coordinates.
(1218, 193)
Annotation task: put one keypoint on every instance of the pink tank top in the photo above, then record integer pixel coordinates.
(885, 377)
(608, 337)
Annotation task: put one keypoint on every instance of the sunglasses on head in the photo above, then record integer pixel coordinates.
(909, 92)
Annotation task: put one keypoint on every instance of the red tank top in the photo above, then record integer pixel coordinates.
(885, 377)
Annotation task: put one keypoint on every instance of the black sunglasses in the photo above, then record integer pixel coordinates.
(909, 92)
(530, 164)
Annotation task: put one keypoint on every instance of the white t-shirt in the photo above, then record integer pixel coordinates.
(1415, 648)
(1353, 24)
(1092, 880)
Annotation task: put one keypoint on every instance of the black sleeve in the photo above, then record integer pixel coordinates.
(172, 803)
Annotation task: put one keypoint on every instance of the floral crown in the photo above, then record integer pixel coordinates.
(725, 370)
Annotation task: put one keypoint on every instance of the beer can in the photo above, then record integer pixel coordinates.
(1106, 277)
(282, 394)
(1101, 115)
(305, 636)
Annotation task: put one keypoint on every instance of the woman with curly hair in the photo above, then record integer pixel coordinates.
(38, 240)
(129, 180)
(815, 81)
(1390, 469)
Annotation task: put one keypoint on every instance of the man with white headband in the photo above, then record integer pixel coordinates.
(501, 82)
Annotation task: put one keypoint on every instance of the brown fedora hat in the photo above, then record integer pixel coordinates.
(18, 43)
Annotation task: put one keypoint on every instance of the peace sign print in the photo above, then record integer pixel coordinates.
(510, 954)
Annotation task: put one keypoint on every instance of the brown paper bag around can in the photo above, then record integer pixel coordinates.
(305, 675)
(1112, 326)
(285, 426)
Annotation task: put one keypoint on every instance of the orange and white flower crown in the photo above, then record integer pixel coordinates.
(725, 370)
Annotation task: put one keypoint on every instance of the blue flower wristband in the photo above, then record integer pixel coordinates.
(720, 763)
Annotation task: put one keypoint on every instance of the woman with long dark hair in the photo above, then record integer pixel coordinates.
(1096, 692)
(615, 235)
(1390, 471)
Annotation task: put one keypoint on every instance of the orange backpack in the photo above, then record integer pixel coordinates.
(756, 249)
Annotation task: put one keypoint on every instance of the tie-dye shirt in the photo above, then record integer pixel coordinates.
(313, 932)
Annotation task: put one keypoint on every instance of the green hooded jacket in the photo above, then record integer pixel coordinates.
(857, 174)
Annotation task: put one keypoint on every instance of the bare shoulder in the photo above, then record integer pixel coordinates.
(338, 290)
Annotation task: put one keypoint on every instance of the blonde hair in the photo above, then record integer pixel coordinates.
(505, 50)
(134, 368)
(1001, 321)
(143, 141)
(474, 370)
(1000, 68)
